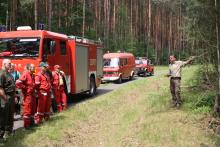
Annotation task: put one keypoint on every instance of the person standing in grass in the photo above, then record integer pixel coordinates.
(59, 88)
(16, 75)
(7, 94)
(175, 68)
(26, 84)
(43, 86)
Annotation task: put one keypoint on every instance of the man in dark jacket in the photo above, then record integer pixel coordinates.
(7, 93)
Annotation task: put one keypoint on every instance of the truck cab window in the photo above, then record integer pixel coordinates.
(63, 47)
(123, 62)
(49, 47)
(19, 47)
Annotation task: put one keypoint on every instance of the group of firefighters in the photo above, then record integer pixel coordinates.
(36, 89)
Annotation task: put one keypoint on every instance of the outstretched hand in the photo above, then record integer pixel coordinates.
(192, 58)
(167, 75)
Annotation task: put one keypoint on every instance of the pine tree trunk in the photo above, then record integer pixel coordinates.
(170, 34)
(14, 12)
(84, 15)
(149, 21)
(217, 100)
(50, 15)
(35, 14)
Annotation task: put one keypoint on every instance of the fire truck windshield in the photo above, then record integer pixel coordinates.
(137, 62)
(19, 47)
(112, 62)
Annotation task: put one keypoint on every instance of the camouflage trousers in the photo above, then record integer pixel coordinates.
(175, 90)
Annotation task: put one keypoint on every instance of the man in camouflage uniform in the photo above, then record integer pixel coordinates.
(175, 68)
(7, 94)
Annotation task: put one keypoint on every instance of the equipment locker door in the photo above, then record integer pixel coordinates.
(99, 62)
(82, 73)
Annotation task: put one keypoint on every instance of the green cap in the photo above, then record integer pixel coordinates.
(43, 64)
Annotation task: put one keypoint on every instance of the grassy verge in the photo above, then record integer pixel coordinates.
(137, 114)
(197, 99)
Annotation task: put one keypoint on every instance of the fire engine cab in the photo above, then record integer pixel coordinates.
(81, 59)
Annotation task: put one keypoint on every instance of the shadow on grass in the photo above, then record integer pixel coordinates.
(17, 140)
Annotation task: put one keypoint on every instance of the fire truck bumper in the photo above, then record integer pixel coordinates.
(110, 78)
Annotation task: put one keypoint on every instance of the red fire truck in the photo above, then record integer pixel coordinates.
(144, 67)
(118, 66)
(81, 59)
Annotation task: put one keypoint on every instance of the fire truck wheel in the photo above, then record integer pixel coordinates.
(119, 81)
(131, 77)
(92, 89)
(152, 73)
(145, 74)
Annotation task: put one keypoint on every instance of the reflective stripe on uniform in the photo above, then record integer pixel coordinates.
(26, 117)
(19, 81)
(44, 94)
(39, 113)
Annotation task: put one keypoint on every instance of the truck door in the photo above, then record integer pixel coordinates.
(63, 59)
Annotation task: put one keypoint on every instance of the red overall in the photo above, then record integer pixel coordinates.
(26, 84)
(59, 92)
(43, 84)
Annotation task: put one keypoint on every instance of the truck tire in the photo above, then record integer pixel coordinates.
(92, 89)
(119, 81)
(145, 74)
(131, 77)
(152, 73)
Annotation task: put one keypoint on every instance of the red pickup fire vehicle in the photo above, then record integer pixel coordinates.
(143, 67)
(118, 66)
(80, 58)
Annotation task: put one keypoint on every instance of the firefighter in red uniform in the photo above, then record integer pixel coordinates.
(59, 88)
(26, 84)
(43, 86)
